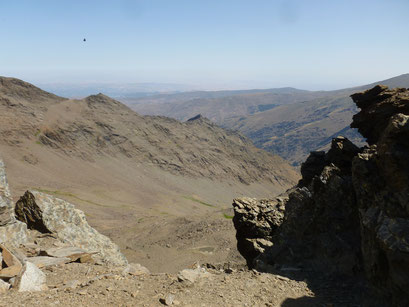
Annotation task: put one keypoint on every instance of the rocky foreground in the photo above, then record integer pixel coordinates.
(50, 256)
(348, 217)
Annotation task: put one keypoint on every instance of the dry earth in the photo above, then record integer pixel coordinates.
(92, 285)
(159, 188)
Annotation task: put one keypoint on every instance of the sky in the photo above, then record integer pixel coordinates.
(314, 44)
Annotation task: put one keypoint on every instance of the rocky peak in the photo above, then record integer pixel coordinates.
(197, 117)
(200, 119)
(377, 106)
(101, 100)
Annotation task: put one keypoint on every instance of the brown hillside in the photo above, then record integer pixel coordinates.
(140, 179)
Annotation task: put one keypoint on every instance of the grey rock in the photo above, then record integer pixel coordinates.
(168, 300)
(6, 205)
(11, 231)
(46, 213)
(15, 233)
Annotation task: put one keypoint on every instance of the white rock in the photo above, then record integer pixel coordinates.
(4, 286)
(31, 279)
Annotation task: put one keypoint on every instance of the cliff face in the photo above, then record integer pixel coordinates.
(349, 214)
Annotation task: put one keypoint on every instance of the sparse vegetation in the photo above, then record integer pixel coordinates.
(229, 217)
(67, 194)
(198, 201)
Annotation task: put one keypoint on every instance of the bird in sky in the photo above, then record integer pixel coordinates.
(85, 40)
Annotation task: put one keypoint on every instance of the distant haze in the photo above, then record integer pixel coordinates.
(240, 44)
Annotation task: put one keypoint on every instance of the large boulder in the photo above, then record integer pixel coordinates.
(48, 214)
(11, 230)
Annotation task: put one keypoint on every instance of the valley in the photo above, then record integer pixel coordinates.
(287, 121)
(139, 179)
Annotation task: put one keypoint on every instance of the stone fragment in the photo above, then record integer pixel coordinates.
(73, 253)
(11, 265)
(135, 269)
(4, 286)
(45, 261)
(168, 300)
(72, 284)
(189, 275)
(31, 279)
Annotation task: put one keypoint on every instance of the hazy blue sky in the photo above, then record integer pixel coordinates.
(238, 43)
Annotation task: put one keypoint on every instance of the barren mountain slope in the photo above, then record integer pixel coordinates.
(287, 122)
(293, 130)
(137, 178)
(218, 106)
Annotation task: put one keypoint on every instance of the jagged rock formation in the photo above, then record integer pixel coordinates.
(349, 213)
(11, 231)
(381, 184)
(255, 222)
(48, 214)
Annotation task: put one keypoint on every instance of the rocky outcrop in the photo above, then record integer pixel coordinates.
(48, 214)
(314, 213)
(349, 214)
(255, 222)
(381, 184)
(11, 230)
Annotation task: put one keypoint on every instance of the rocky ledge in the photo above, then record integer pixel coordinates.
(349, 214)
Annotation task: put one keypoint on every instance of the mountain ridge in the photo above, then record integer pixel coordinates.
(290, 125)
